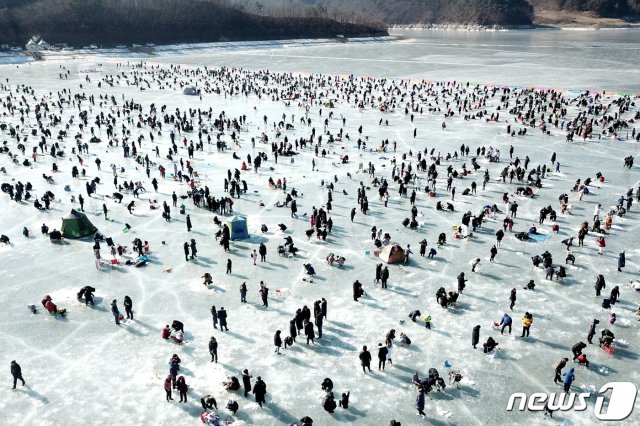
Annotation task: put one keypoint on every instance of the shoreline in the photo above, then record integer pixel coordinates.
(497, 28)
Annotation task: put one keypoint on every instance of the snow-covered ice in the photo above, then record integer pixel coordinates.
(83, 368)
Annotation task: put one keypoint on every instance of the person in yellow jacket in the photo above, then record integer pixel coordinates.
(527, 319)
(427, 321)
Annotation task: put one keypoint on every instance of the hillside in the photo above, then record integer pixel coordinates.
(586, 13)
(596, 8)
(405, 12)
(80, 22)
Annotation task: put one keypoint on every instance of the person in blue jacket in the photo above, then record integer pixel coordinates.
(569, 377)
(505, 322)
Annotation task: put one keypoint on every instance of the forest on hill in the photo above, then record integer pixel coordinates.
(110, 22)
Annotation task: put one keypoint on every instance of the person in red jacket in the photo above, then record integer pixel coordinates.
(166, 332)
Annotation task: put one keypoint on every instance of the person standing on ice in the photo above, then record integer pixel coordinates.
(499, 237)
(365, 359)
(382, 356)
(474, 264)
(319, 319)
(512, 298)
(263, 252)
(189, 223)
(243, 292)
(229, 263)
(186, 251)
(128, 307)
(182, 386)
(505, 322)
(16, 372)
(621, 261)
(254, 257)
(309, 332)
(213, 349)
(592, 330)
(558, 370)
(277, 341)
(246, 382)
(420, 402)
(384, 276)
(264, 294)
(493, 253)
(569, 377)
(214, 316)
(475, 336)
(259, 391)
(527, 320)
(461, 281)
(600, 284)
(115, 311)
(168, 387)
(222, 317)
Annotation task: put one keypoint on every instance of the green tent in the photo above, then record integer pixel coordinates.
(238, 227)
(76, 225)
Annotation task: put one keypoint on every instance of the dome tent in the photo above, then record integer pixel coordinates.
(76, 225)
(190, 91)
(238, 228)
(392, 253)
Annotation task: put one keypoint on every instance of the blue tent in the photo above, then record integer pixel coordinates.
(238, 228)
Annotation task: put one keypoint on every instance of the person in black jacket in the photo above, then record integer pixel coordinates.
(246, 382)
(382, 356)
(384, 276)
(222, 317)
(329, 403)
(475, 336)
(309, 332)
(365, 359)
(208, 402)
(357, 290)
(344, 401)
(128, 307)
(213, 349)
(277, 342)
(16, 372)
(259, 391)
(461, 281)
(592, 331)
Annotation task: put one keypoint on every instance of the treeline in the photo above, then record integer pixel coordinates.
(110, 22)
(480, 12)
(602, 8)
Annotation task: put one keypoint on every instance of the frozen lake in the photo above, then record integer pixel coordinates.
(83, 369)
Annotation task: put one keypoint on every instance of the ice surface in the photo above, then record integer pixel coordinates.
(85, 369)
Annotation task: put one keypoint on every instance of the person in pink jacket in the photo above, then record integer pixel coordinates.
(167, 387)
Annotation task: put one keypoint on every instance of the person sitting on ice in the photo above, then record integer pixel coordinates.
(530, 285)
(208, 279)
(489, 345)
(309, 269)
(232, 405)
(166, 332)
(582, 360)
(231, 384)
(178, 337)
(177, 326)
(606, 338)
